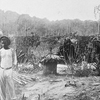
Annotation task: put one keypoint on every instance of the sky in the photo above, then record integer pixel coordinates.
(53, 9)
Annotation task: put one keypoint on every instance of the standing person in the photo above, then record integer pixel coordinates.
(8, 61)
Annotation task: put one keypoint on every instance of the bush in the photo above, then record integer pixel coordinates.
(82, 73)
(85, 73)
(28, 70)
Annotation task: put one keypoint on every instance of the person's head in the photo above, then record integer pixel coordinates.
(5, 41)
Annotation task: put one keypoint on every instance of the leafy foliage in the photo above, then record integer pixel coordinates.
(52, 42)
(22, 46)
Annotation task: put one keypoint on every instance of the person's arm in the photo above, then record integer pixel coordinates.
(14, 58)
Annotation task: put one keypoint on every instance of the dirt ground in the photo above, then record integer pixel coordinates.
(60, 87)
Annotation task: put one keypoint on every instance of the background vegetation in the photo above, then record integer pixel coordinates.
(41, 36)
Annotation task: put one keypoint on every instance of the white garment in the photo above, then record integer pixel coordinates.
(8, 58)
(7, 90)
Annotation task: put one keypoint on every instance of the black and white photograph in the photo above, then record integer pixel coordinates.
(49, 49)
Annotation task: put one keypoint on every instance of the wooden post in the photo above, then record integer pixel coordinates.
(97, 11)
(99, 24)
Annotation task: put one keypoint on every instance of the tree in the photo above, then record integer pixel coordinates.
(52, 42)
